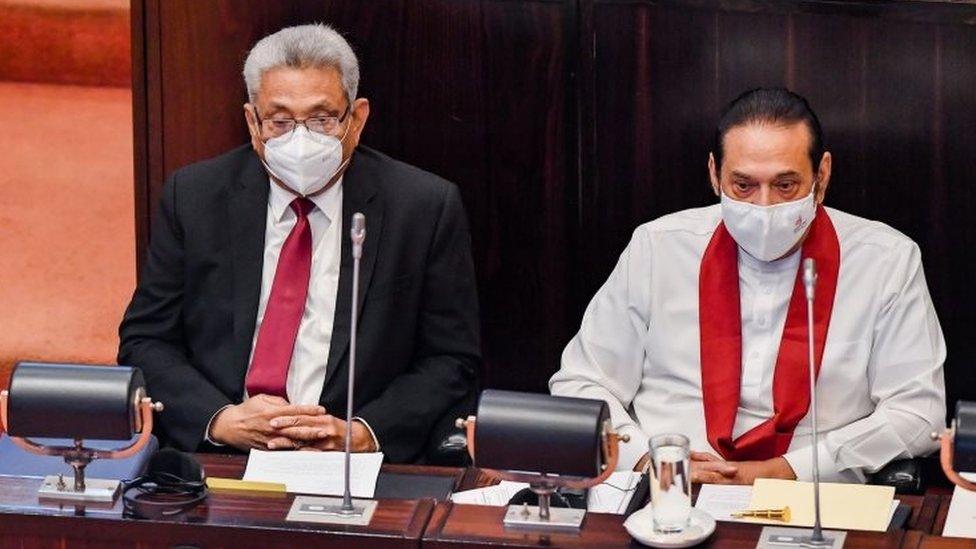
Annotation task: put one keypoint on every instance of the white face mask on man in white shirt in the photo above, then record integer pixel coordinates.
(768, 232)
(304, 161)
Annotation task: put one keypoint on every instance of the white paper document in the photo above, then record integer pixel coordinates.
(614, 494)
(961, 519)
(319, 473)
(721, 500)
(610, 497)
(496, 496)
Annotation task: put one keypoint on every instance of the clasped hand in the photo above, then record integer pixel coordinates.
(707, 468)
(271, 422)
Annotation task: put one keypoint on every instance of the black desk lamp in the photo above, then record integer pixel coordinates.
(78, 402)
(546, 441)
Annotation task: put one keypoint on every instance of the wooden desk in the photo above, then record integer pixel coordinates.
(466, 526)
(226, 519)
(920, 540)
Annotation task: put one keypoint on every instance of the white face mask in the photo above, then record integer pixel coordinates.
(304, 161)
(768, 232)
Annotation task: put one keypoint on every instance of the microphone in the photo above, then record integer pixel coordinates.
(331, 510)
(809, 282)
(357, 234)
(809, 276)
(816, 537)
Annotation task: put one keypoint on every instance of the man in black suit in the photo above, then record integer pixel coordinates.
(240, 321)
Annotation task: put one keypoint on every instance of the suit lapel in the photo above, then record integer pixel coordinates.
(247, 215)
(359, 195)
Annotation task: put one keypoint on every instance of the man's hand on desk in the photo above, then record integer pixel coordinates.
(707, 468)
(323, 432)
(249, 424)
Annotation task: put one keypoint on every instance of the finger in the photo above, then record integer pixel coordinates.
(721, 467)
(282, 443)
(306, 433)
(271, 399)
(296, 410)
(291, 421)
(708, 477)
(704, 456)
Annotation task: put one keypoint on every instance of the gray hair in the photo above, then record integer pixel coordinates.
(316, 45)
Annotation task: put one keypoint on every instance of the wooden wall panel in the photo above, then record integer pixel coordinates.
(567, 123)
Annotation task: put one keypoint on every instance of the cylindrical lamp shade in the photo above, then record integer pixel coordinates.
(964, 454)
(538, 433)
(74, 401)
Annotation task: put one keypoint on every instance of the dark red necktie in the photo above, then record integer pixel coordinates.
(276, 339)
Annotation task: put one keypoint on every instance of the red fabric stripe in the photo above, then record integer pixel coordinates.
(720, 321)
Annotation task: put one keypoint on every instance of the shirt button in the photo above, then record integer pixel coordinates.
(761, 321)
(767, 289)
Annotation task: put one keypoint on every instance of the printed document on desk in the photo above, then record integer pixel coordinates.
(961, 519)
(319, 473)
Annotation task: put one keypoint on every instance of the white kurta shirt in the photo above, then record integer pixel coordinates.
(880, 389)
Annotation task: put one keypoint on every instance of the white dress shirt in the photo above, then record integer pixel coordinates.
(880, 389)
(306, 375)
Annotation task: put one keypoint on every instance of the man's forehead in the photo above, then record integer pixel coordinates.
(768, 143)
(305, 88)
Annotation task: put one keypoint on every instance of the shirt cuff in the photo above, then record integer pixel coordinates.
(376, 441)
(631, 452)
(801, 460)
(206, 434)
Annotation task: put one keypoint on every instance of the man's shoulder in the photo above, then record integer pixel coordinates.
(398, 179)
(858, 232)
(691, 222)
(213, 173)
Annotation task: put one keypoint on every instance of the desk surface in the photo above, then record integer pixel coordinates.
(226, 519)
(241, 519)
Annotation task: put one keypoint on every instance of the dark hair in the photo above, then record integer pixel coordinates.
(768, 106)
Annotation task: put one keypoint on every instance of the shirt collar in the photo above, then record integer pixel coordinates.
(329, 201)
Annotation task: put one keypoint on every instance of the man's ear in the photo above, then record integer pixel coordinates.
(360, 113)
(713, 175)
(823, 177)
(253, 128)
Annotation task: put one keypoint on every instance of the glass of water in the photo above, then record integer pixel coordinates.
(670, 477)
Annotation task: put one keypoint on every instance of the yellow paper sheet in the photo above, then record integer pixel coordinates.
(842, 506)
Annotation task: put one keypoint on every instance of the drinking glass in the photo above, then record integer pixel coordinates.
(670, 477)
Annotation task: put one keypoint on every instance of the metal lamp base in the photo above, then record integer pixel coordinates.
(774, 537)
(56, 487)
(330, 511)
(528, 516)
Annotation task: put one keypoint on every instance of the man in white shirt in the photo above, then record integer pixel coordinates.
(701, 328)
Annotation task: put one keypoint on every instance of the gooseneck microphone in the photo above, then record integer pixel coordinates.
(809, 284)
(333, 510)
(357, 234)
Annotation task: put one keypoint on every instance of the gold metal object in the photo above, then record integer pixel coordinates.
(776, 514)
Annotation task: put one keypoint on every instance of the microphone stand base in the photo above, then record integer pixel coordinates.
(529, 517)
(778, 537)
(59, 488)
(330, 511)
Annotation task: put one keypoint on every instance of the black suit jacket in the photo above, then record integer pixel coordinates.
(191, 321)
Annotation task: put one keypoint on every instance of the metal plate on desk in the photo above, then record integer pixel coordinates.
(326, 511)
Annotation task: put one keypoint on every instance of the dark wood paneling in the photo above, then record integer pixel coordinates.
(567, 123)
